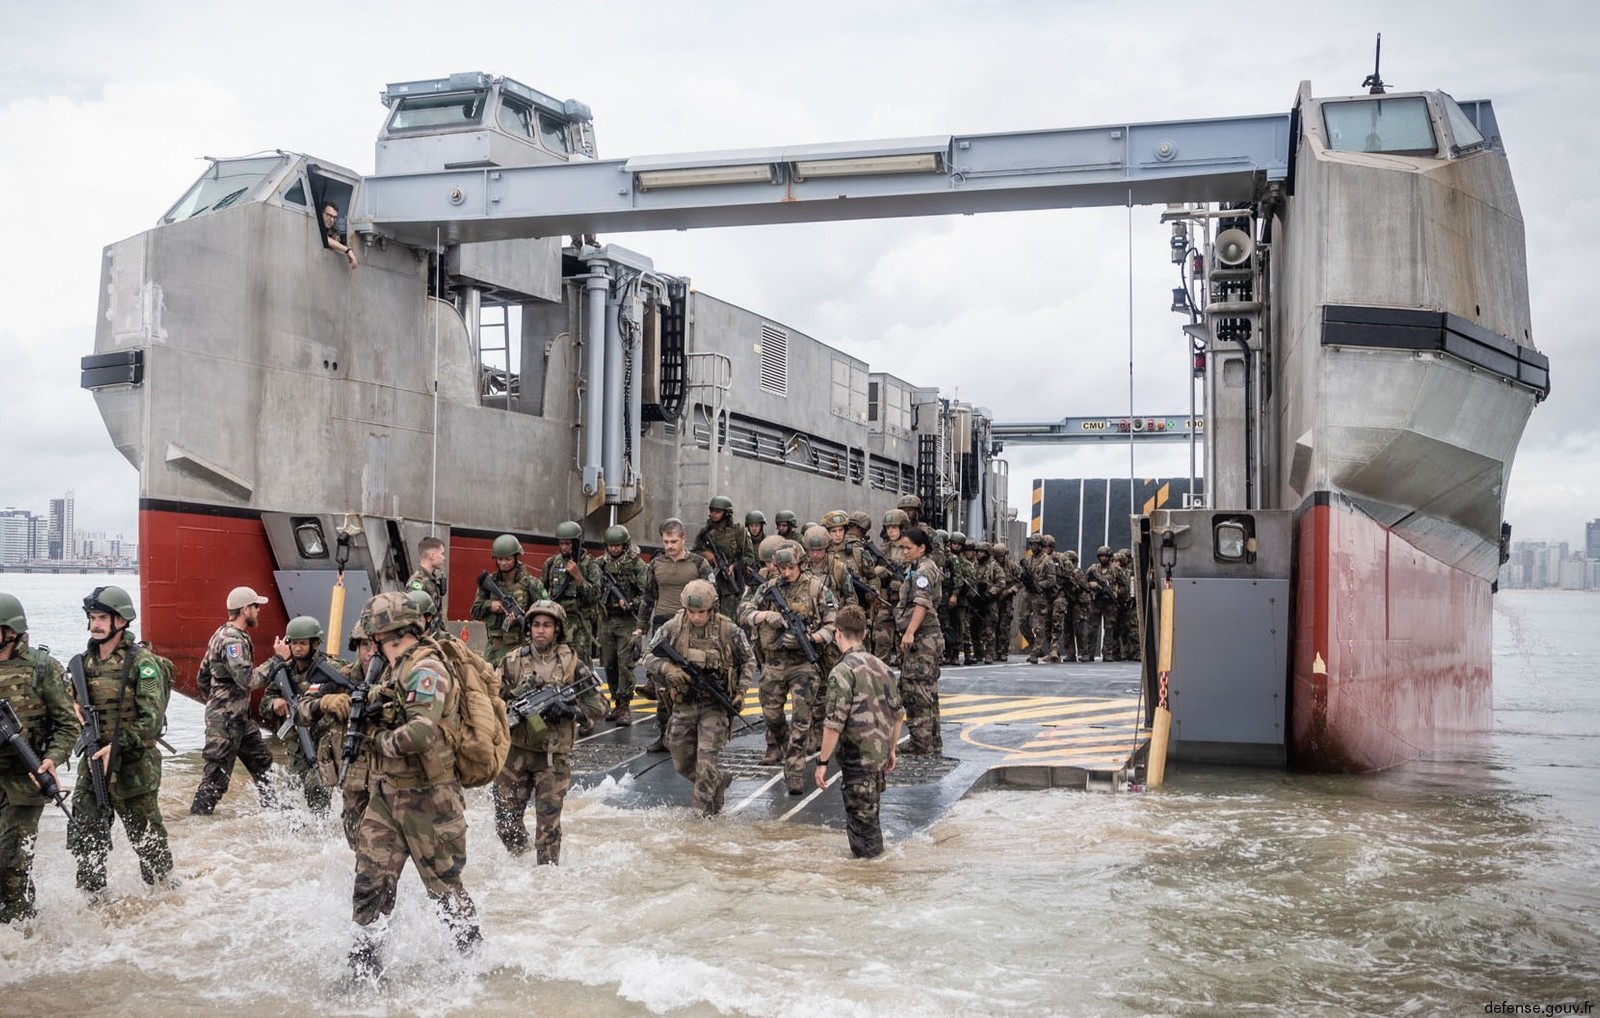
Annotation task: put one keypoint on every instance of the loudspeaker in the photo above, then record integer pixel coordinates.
(1234, 248)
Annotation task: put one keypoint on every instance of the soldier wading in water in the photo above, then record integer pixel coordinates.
(860, 727)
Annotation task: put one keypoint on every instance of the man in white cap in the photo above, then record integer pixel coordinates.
(225, 679)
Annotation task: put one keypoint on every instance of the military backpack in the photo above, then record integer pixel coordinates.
(477, 729)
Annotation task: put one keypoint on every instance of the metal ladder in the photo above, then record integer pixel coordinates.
(703, 472)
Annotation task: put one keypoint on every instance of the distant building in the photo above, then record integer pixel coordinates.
(1592, 540)
(1544, 565)
(61, 533)
(20, 536)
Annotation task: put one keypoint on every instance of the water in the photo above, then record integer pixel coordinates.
(1439, 888)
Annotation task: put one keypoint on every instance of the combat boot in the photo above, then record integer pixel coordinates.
(1053, 659)
(205, 802)
(772, 757)
(622, 716)
(365, 962)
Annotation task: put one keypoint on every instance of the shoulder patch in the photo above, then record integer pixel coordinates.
(422, 683)
(148, 671)
(233, 650)
(922, 581)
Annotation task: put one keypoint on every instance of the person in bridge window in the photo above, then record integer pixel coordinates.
(335, 239)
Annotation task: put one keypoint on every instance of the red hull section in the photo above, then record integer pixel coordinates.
(1392, 648)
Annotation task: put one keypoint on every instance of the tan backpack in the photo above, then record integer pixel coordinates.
(478, 731)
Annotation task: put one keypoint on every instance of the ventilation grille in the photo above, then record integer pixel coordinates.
(774, 360)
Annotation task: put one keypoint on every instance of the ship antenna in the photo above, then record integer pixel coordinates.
(1374, 82)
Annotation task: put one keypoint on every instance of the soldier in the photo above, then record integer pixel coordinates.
(665, 578)
(621, 575)
(888, 570)
(921, 646)
(1046, 581)
(728, 550)
(860, 728)
(960, 589)
(840, 560)
(787, 667)
(298, 654)
(573, 581)
(911, 505)
(1004, 614)
(700, 724)
(755, 524)
(1068, 584)
(31, 686)
(538, 765)
(129, 693)
(226, 679)
(415, 810)
(1102, 583)
(430, 576)
(505, 632)
(788, 525)
(1127, 607)
(1076, 586)
(989, 581)
(329, 713)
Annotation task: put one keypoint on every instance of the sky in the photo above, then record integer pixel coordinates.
(108, 108)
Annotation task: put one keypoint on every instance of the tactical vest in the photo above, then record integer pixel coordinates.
(527, 668)
(20, 677)
(105, 679)
(805, 597)
(435, 765)
(709, 646)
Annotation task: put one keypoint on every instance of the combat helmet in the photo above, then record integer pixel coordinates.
(861, 520)
(984, 547)
(618, 534)
(896, 518)
(358, 632)
(786, 554)
(11, 614)
(768, 545)
(506, 546)
(421, 598)
(957, 537)
(1104, 549)
(835, 518)
(722, 502)
(1072, 555)
(999, 549)
(1049, 540)
(787, 516)
(111, 601)
(551, 609)
(816, 538)
(392, 611)
(909, 502)
(569, 530)
(755, 516)
(699, 596)
(305, 627)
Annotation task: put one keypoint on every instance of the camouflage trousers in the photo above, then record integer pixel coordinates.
(1093, 622)
(1024, 614)
(618, 656)
(318, 794)
(231, 735)
(1128, 630)
(1061, 631)
(1042, 625)
(580, 631)
(862, 788)
(961, 625)
(89, 834)
(984, 617)
(544, 778)
(781, 677)
(919, 693)
(19, 832)
(696, 735)
(885, 642)
(1003, 621)
(429, 827)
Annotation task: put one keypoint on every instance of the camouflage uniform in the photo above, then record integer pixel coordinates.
(864, 708)
(505, 634)
(1005, 614)
(618, 649)
(732, 543)
(700, 726)
(1079, 602)
(665, 579)
(430, 583)
(1045, 576)
(1127, 609)
(963, 585)
(415, 808)
(538, 765)
(1102, 587)
(30, 680)
(919, 666)
(885, 641)
(319, 793)
(581, 601)
(991, 581)
(785, 669)
(329, 732)
(230, 731)
(133, 781)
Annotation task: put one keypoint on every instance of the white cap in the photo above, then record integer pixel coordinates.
(240, 597)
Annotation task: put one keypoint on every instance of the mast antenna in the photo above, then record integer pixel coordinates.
(1374, 82)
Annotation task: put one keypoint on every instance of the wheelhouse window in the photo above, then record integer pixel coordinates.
(1462, 129)
(227, 182)
(1398, 127)
(515, 118)
(431, 112)
(554, 134)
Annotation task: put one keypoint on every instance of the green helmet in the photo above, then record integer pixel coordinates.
(569, 530)
(12, 615)
(111, 600)
(816, 538)
(391, 611)
(617, 535)
(755, 516)
(957, 537)
(1072, 555)
(303, 627)
(358, 632)
(506, 546)
(722, 502)
(421, 598)
(699, 596)
(788, 516)
(941, 535)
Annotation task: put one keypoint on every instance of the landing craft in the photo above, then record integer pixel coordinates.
(1361, 302)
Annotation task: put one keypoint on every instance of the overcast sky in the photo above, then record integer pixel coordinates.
(108, 108)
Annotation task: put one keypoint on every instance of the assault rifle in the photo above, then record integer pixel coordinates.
(723, 565)
(704, 681)
(792, 622)
(615, 592)
(89, 742)
(356, 728)
(284, 686)
(1030, 581)
(11, 733)
(541, 700)
(516, 615)
(896, 571)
